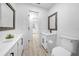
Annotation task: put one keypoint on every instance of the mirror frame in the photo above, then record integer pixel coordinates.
(9, 28)
(54, 14)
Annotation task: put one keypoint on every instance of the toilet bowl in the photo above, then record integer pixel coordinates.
(60, 51)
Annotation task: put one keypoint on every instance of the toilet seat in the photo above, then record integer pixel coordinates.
(60, 51)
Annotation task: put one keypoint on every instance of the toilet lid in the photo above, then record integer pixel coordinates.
(59, 51)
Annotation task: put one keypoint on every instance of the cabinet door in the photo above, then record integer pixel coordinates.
(20, 46)
(12, 51)
(7, 54)
(51, 43)
(44, 41)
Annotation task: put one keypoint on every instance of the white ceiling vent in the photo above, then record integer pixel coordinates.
(37, 3)
(44, 5)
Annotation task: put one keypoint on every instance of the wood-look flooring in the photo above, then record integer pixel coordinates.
(34, 47)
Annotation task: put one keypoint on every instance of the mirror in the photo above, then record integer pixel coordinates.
(7, 17)
(52, 22)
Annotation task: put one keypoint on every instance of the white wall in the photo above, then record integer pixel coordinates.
(68, 19)
(22, 16)
(68, 15)
(43, 17)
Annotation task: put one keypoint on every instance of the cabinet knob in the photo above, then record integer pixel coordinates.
(12, 54)
(21, 41)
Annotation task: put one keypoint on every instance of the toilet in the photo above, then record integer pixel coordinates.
(60, 51)
(66, 47)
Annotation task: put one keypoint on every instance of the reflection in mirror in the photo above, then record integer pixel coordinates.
(7, 18)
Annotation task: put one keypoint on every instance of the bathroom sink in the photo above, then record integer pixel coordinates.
(47, 33)
(50, 41)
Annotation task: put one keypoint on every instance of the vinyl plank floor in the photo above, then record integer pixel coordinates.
(34, 47)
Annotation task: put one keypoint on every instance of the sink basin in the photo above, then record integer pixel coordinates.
(47, 33)
(50, 41)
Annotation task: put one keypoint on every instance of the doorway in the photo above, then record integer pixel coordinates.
(34, 23)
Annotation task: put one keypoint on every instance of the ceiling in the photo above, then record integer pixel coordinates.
(43, 5)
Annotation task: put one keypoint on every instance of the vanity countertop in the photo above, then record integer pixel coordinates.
(5, 46)
(48, 33)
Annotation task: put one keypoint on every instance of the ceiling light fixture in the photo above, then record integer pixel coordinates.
(37, 3)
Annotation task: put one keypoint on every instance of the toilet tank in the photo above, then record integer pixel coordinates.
(69, 43)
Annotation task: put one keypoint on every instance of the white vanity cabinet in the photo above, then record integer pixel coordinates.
(48, 41)
(15, 47)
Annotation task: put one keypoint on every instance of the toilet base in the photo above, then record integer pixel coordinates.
(60, 51)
